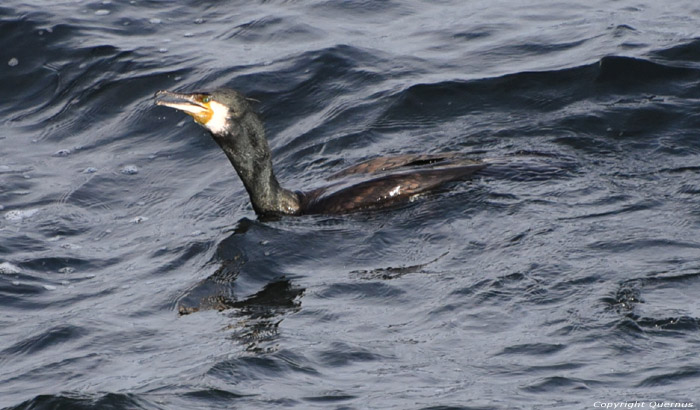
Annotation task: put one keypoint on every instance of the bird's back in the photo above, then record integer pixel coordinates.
(382, 191)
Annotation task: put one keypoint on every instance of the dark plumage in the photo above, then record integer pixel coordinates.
(240, 133)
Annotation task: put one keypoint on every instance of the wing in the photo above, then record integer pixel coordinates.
(383, 191)
(376, 165)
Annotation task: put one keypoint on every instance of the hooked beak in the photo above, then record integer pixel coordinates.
(196, 104)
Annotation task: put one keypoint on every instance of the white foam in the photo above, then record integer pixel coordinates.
(20, 214)
(139, 219)
(130, 170)
(7, 268)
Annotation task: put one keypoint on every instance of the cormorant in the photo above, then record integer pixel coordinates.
(237, 128)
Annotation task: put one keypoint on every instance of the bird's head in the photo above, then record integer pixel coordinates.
(215, 111)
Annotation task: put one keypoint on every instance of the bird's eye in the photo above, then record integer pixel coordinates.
(206, 99)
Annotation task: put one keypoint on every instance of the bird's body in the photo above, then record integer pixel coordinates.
(239, 132)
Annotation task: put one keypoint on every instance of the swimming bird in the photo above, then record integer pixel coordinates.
(239, 131)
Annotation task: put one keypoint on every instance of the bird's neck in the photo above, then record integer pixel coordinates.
(249, 153)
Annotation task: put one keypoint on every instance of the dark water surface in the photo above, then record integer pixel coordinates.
(134, 273)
